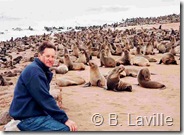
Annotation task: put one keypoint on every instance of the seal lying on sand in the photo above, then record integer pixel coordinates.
(144, 80)
(3, 82)
(69, 80)
(62, 69)
(96, 78)
(168, 58)
(114, 83)
(127, 72)
(140, 61)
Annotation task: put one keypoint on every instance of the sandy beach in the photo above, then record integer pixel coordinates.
(96, 109)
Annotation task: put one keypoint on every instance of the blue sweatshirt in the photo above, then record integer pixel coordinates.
(31, 94)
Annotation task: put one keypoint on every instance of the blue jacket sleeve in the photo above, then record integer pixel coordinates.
(38, 87)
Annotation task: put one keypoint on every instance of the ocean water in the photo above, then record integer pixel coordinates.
(90, 18)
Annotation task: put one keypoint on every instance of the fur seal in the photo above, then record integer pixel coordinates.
(125, 60)
(149, 49)
(81, 58)
(3, 82)
(69, 80)
(114, 83)
(168, 58)
(62, 69)
(140, 61)
(172, 50)
(10, 74)
(96, 78)
(106, 60)
(118, 50)
(144, 80)
(17, 60)
(71, 65)
(75, 50)
(161, 47)
(87, 54)
(129, 72)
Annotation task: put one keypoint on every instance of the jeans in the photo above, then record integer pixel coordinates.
(42, 123)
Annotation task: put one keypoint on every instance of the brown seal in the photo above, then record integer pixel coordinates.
(149, 49)
(17, 60)
(172, 50)
(69, 80)
(62, 69)
(10, 73)
(114, 83)
(140, 61)
(106, 60)
(96, 78)
(168, 58)
(125, 60)
(144, 80)
(118, 50)
(161, 48)
(73, 66)
(3, 82)
(82, 58)
(75, 50)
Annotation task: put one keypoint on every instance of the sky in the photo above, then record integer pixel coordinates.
(67, 9)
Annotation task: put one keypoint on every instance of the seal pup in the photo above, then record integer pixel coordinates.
(168, 58)
(144, 80)
(114, 83)
(96, 78)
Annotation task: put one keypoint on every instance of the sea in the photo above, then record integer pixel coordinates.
(25, 26)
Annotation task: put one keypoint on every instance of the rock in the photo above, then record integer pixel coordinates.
(5, 118)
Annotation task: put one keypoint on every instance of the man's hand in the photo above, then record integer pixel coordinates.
(71, 125)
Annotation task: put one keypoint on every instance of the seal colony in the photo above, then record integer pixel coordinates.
(76, 49)
(94, 51)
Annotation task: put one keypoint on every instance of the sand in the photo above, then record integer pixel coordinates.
(140, 110)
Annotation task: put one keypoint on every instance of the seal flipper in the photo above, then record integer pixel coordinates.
(160, 61)
(87, 84)
(99, 84)
(174, 62)
(164, 87)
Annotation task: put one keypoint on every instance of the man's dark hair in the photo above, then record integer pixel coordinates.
(42, 47)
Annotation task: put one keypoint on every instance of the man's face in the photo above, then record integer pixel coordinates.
(48, 57)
